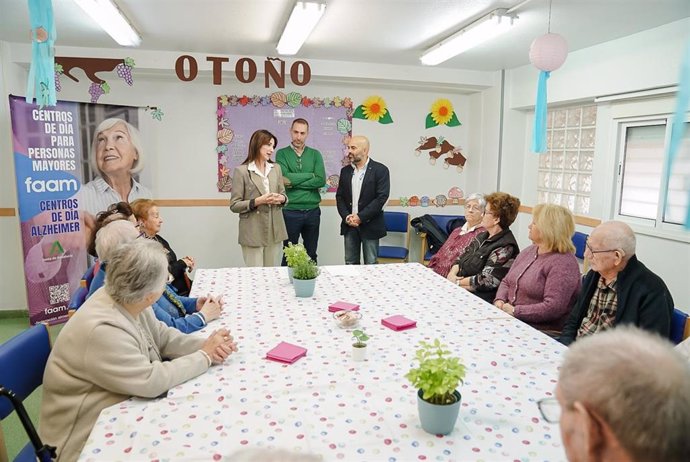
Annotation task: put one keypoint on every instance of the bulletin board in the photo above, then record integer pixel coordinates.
(330, 128)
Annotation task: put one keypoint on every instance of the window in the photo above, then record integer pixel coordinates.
(645, 192)
(565, 170)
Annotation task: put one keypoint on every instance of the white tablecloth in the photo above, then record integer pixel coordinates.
(326, 403)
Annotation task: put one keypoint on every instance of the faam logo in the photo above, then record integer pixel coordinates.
(40, 186)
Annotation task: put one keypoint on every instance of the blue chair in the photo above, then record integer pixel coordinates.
(679, 326)
(88, 275)
(396, 222)
(22, 362)
(580, 242)
(443, 222)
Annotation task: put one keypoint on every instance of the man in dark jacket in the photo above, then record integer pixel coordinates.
(618, 289)
(362, 193)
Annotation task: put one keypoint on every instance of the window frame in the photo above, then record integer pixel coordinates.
(657, 223)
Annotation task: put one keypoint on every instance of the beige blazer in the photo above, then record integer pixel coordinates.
(102, 357)
(263, 225)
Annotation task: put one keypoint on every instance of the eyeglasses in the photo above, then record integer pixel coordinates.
(550, 409)
(473, 208)
(594, 252)
(299, 163)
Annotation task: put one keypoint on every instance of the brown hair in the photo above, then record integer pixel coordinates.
(142, 207)
(259, 138)
(300, 120)
(504, 206)
(114, 212)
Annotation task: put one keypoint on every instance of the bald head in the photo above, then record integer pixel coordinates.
(616, 235)
(358, 150)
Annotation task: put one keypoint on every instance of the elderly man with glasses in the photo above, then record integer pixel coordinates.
(630, 404)
(618, 289)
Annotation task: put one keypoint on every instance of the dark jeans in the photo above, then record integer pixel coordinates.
(353, 243)
(306, 223)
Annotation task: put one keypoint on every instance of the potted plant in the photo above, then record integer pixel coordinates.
(359, 348)
(437, 377)
(304, 278)
(294, 255)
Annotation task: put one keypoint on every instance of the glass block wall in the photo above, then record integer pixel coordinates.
(565, 169)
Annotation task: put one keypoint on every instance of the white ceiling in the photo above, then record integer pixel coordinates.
(376, 31)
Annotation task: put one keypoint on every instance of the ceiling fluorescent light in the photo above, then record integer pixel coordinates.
(112, 20)
(302, 21)
(485, 28)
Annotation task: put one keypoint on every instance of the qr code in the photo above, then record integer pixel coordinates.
(59, 294)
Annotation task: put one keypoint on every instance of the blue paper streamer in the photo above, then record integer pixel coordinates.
(678, 125)
(539, 133)
(41, 81)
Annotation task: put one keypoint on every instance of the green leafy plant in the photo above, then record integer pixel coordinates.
(305, 270)
(360, 338)
(295, 254)
(438, 374)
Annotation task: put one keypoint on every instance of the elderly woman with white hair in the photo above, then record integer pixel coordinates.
(117, 155)
(114, 348)
(460, 237)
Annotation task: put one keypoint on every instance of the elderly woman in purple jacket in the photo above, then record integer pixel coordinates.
(542, 285)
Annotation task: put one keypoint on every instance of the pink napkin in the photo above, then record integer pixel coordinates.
(340, 306)
(398, 322)
(286, 353)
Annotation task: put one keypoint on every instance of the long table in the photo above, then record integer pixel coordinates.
(328, 404)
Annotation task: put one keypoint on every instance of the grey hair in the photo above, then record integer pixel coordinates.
(638, 385)
(618, 235)
(134, 137)
(112, 235)
(477, 197)
(135, 270)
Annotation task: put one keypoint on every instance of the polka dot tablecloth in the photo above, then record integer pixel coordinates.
(328, 404)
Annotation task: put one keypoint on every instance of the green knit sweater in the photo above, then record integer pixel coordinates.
(305, 175)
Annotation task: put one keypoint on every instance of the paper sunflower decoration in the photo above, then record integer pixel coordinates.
(373, 108)
(442, 113)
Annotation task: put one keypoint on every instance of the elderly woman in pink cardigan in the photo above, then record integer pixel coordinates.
(542, 285)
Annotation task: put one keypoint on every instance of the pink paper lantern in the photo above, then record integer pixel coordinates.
(548, 52)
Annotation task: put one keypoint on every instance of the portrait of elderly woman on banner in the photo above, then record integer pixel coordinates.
(116, 156)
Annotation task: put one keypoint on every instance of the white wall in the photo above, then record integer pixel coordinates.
(181, 158)
(649, 59)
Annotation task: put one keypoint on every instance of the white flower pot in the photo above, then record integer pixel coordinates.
(359, 353)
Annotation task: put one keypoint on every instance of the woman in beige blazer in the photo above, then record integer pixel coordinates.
(258, 194)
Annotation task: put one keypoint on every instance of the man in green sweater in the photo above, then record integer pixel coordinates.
(303, 175)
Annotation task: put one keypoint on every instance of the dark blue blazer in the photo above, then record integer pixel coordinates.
(372, 198)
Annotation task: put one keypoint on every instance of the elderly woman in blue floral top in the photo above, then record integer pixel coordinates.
(187, 314)
(488, 257)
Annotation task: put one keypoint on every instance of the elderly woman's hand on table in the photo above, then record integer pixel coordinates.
(219, 345)
(209, 307)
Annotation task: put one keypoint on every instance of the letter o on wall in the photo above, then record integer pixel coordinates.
(251, 71)
(180, 66)
(294, 73)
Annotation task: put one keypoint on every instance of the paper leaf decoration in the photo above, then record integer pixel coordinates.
(344, 126)
(442, 113)
(294, 99)
(374, 109)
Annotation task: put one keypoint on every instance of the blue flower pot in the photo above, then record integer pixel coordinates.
(438, 419)
(304, 287)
